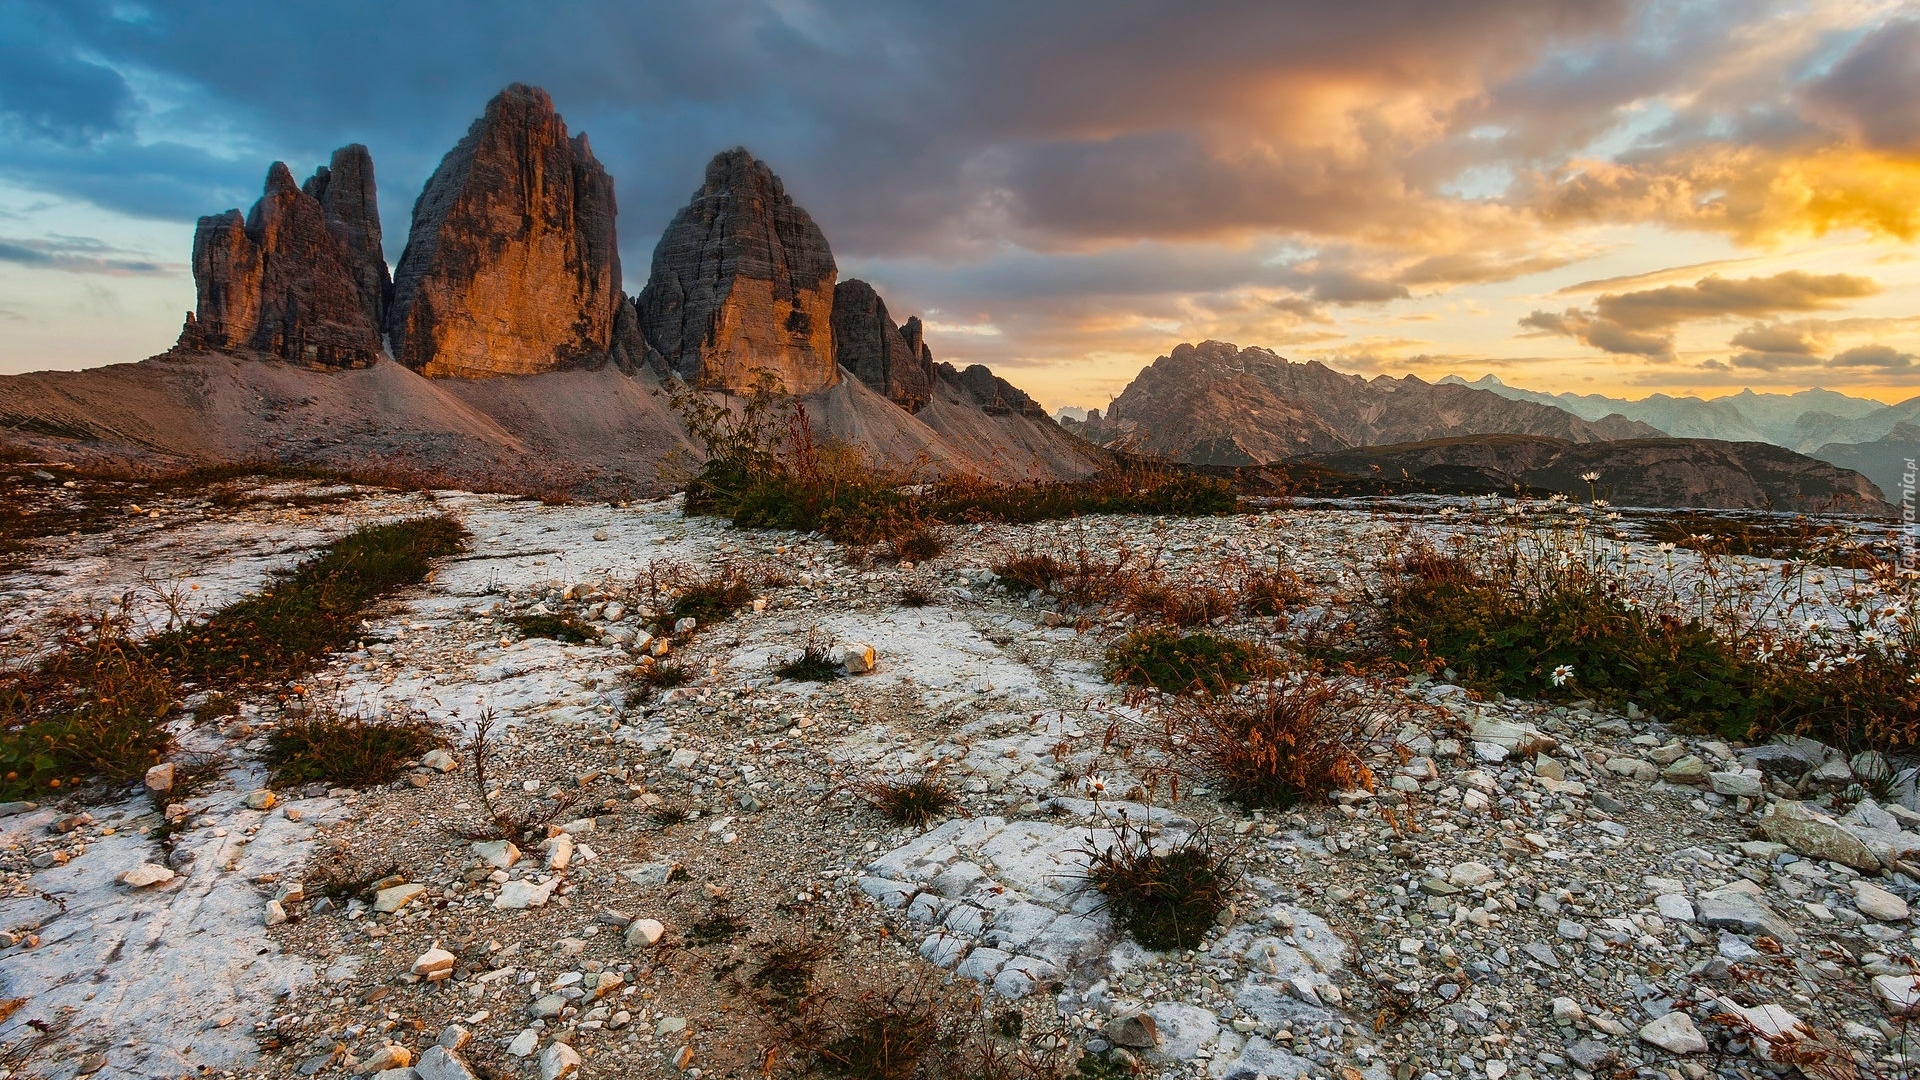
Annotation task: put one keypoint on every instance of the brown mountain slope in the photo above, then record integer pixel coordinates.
(1216, 403)
(602, 430)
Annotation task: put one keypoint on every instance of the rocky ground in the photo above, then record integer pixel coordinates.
(1531, 891)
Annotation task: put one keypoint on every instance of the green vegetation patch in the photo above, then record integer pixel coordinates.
(347, 751)
(1168, 660)
(312, 610)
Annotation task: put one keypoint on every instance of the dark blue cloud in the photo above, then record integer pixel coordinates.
(48, 90)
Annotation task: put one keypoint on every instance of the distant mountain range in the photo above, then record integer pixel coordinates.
(1216, 404)
(1852, 432)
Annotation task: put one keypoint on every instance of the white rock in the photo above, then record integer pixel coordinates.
(1468, 874)
(443, 1063)
(524, 1043)
(1768, 1020)
(276, 913)
(261, 799)
(144, 875)
(559, 852)
(520, 895)
(1876, 902)
(396, 897)
(160, 777)
(558, 1061)
(644, 933)
(1674, 906)
(1734, 784)
(497, 853)
(858, 658)
(686, 625)
(1567, 1011)
(435, 961)
(1675, 1034)
(1899, 993)
(438, 761)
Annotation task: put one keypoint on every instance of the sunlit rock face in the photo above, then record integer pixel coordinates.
(742, 285)
(281, 282)
(512, 267)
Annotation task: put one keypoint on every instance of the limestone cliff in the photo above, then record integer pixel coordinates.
(345, 190)
(867, 343)
(512, 266)
(281, 282)
(742, 283)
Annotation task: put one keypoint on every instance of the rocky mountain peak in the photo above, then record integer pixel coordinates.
(869, 345)
(512, 265)
(742, 282)
(345, 190)
(284, 280)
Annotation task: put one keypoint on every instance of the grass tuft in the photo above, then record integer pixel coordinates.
(814, 662)
(1285, 742)
(914, 596)
(1176, 663)
(1165, 898)
(563, 628)
(914, 802)
(326, 746)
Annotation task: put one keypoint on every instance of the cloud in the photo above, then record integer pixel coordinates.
(1778, 338)
(1875, 359)
(1642, 323)
(1714, 297)
(1874, 91)
(1603, 334)
(48, 91)
(80, 255)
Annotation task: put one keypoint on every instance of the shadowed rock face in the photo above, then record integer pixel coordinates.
(345, 190)
(994, 395)
(742, 282)
(867, 343)
(282, 282)
(512, 267)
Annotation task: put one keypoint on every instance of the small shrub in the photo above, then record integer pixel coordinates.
(342, 877)
(1180, 605)
(1286, 741)
(1082, 579)
(1272, 593)
(879, 1037)
(914, 596)
(564, 628)
(667, 816)
(915, 802)
(712, 599)
(1176, 663)
(814, 662)
(1165, 899)
(916, 546)
(658, 676)
(99, 707)
(785, 970)
(716, 929)
(330, 747)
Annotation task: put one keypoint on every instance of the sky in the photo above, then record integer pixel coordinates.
(1602, 196)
